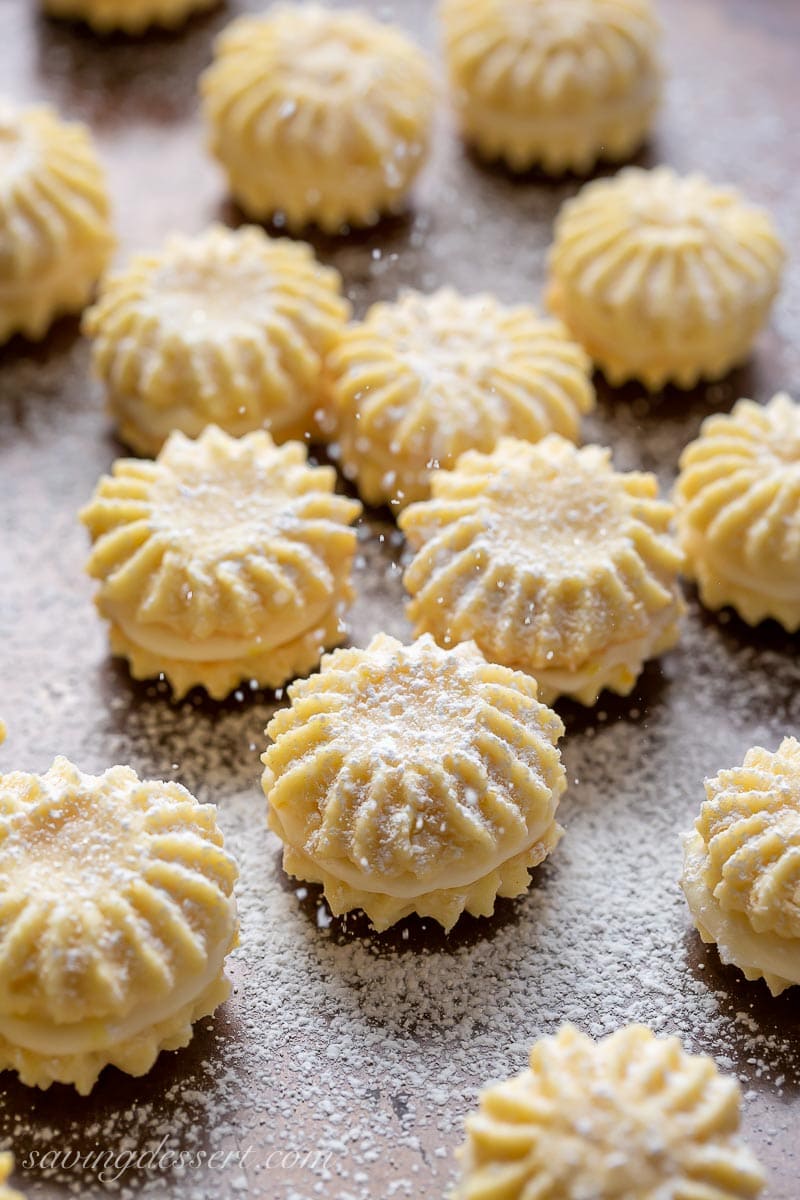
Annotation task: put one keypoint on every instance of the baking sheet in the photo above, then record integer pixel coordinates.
(344, 1064)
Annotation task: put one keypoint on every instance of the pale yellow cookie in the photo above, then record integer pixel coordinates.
(228, 328)
(664, 278)
(550, 561)
(118, 911)
(738, 499)
(629, 1117)
(418, 382)
(128, 16)
(55, 232)
(318, 116)
(6, 1167)
(741, 870)
(224, 561)
(409, 779)
(553, 83)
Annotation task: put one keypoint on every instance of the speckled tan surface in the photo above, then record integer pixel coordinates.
(371, 1050)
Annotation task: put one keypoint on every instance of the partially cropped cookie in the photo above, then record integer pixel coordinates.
(224, 561)
(418, 382)
(227, 328)
(127, 16)
(6, 1167)
(550, 561)
(409, 779)
(118, 912)
(318, 116)
(551, 83)
(738, 498)
(741, 870)
(55, 231)
(630, 1117)
(664, 278)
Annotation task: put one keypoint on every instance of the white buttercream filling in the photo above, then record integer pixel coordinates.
(159, 640)
(459, 875)
(575, 126)
(54, 283)
(83, 1037)
(632, 655)
(158, 423)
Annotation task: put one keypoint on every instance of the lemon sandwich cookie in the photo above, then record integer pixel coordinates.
(55, 224)
(630, 1117)
(318, 116)
(551, 562)
(664, 278)
(227, 328)
(741, 872)
(117, 915)
(225, 561)
(410, 779)
(419, 381)
(738, 500)
(556, 84)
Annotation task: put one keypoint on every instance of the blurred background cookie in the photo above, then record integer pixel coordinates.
(631, 1115)
(556, 84)
(228, 328)
(55, 219)
(419, 381)
(663, 278)
(318, 116)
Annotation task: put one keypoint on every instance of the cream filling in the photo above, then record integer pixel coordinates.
(156, 424)
(738, 943)
(697, 545)
(75, 269)
(164, 643)
(588, 124)
(462, 876)
(631, 655)
(31, 305)
(51, 1039)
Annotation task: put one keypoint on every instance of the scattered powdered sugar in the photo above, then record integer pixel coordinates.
(371, 1049)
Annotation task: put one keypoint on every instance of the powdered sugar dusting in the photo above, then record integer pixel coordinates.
(373, 1048)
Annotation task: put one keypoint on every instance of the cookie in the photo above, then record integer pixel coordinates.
(55, 224)
(410, 779)
(223, 562)
(118, 912)
(551, 562)
(664, 278)
(318, 116)
(741, 873)
(631, 1115)
(738, 501)
(228, 328)
(418, 382)
(552, 84)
